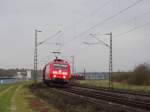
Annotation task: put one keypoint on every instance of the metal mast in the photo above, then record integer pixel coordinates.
(110, 62)
(35, 58)
(36, 50)
(110, 56)
(73, 65)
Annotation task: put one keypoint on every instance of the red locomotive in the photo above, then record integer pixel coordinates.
(57, 71)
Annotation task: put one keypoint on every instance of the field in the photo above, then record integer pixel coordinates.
(105, 83)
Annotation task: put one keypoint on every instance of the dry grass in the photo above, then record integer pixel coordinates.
(116, 85)
(64, 102)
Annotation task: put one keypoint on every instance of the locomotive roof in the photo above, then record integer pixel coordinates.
(59, 60)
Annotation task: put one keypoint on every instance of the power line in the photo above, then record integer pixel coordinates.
(135, 28)
(103, 6)
(128, 31)
(91, 14)
(137, 17)
(100, 41)
(123, 33)
(54, 35)
(106, 19)
(89, 43)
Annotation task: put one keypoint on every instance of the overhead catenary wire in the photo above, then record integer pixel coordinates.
(120, 34)
(100, 41)
(91, 14)
(54, 35)
(89, 43)
(123, 33)
(100, 8)
(132, 29)
(103, 21)
(131, 19)
(126, 32)
(135, 19)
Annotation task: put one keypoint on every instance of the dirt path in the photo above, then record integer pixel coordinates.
(13, 101)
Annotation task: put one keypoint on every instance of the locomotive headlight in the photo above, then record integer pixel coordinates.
(59, 71)
(64, 77)
(54, 76)
(64, 73)
(55, 72)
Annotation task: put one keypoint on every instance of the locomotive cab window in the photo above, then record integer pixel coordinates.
(60, 66)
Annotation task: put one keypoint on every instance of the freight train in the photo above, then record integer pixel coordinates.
(57, 71)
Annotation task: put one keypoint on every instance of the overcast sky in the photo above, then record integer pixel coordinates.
(76, 19)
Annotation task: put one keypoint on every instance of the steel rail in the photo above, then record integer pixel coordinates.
(121, 91)
(108, 96)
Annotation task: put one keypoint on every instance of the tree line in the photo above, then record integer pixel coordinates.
(10, 72)
(139, 76)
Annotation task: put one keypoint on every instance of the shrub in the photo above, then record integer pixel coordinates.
(121, 76)
(139, 76)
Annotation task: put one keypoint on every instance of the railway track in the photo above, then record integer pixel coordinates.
(130, 94)
(135, 93)
(136, 100)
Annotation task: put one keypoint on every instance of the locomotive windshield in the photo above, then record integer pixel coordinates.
(60, 66)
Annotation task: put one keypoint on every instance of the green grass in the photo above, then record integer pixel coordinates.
(6, 96)
(3, 87)
(104, 83)
(18, 97)
(5, 99)
(22, 103)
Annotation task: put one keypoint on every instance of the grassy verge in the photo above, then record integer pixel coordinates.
(18, 98)
(124, 86)
(28, 102)
(21, 98)
(9, 92)
(3, 87)
(5, 99)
